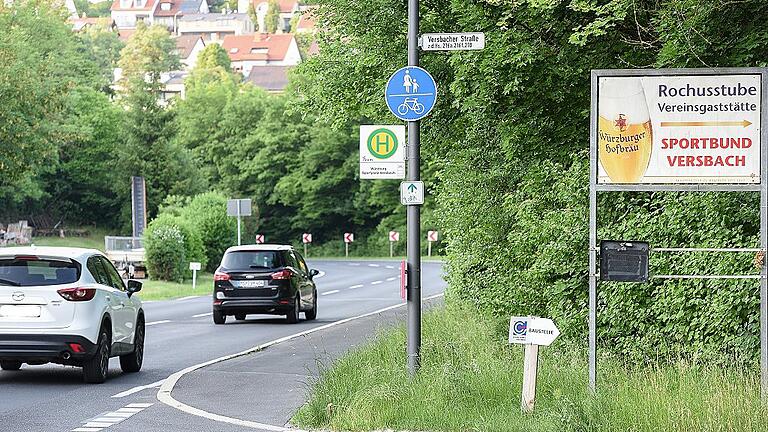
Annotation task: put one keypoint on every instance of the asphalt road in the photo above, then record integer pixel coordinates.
(180, 334)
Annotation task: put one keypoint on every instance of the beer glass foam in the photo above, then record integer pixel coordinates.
(625, 135)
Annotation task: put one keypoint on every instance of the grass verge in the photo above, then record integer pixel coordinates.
(162, 290)
(470, 381)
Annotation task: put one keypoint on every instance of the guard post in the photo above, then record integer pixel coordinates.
(643, 124)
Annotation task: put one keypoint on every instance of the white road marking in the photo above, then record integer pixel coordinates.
(391, 279)
(112, 418)
(376, 282)
(138, 389)
(390, 267)
(329, 292)
(188, 298)
(354, 264)
(143, 405)
(164, 395)
(157, 322)
(356, 286)
(202, 315)
(373, 265)
(130, 410)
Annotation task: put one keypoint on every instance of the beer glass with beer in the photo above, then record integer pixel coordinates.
(625, 135)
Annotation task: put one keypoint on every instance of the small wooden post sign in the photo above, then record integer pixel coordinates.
(532, 332)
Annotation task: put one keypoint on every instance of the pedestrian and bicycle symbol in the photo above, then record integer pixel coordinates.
(411, 93)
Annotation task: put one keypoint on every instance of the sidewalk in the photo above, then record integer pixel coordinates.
(271, 385)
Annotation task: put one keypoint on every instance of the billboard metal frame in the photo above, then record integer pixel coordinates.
(762, 187)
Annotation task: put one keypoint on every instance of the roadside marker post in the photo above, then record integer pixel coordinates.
(348, 238)
(394, 236)
(306, 238)
(531, 332)
(239, 208)
(259, 239)
(403, 278)
(431, 237)
(195, 267)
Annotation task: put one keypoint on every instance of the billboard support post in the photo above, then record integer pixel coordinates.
(733, 183)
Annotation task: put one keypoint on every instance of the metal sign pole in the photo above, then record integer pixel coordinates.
(414, 211)
(764, 243)
(593, 240)
(238, 222)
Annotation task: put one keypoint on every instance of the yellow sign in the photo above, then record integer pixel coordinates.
(382, 143)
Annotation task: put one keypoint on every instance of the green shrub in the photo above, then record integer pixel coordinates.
(194, 251)
(164, 244)
(207, 213)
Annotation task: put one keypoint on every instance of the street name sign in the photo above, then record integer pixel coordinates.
(412, 193)
(411, 93)
(382, 152)
(452, 41)
(259, 238)
(394, 236)
(532, 331)
(349, 237)
(306, 238)
(679, 129)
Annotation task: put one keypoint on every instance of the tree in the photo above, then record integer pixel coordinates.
(272, 17)
(213, 55)
(40, 62)
(149, 149)
(103, 46)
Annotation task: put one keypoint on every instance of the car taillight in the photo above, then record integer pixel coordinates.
(77, 294)
(282, 275)
(218, 276)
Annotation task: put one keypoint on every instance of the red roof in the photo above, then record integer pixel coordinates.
(125, 34)
(186, 43)
(175, 8)
(286, 6)
(261, 46)
(148, 6)
(306, 21)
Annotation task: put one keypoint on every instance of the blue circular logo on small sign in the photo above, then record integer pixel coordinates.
(411, 93)
(520, 328)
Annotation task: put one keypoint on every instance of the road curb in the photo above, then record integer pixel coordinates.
(164, 394)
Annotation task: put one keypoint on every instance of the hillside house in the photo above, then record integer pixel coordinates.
(215, 27)
(261, 49)
(168, 12)
(188, 47)
(287, 10)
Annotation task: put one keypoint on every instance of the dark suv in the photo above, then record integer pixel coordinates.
(263, 279)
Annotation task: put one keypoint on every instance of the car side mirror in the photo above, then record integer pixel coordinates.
(314, 272)
(134, 286)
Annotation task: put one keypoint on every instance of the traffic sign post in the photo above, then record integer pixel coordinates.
(394, 236)
(412, 193)
(531, 332)
(259, 238)
(195, 267)
(306, 238)
(239, 208)
(348, 238)
(431, 237)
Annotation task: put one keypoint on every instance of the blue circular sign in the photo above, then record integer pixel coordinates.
(411, 93)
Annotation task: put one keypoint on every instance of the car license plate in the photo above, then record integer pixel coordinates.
(251, 284)
(19, 311)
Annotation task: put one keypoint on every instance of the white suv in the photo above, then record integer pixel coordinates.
(68, 306)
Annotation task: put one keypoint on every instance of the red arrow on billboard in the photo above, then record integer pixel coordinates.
(432, 236)
(306, 238)
(259, 238)
(394, 236)
(349, 237)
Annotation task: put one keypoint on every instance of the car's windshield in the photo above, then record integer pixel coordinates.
(251, 260)
(29, 271)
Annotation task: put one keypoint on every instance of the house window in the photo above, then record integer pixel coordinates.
(125, 4)
(165, 6)
(259, 50)
(233, 50)
(141, 3)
